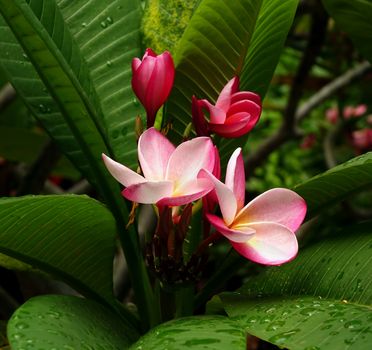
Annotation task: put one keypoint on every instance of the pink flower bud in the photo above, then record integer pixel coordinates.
(152, 81)
(234, 114)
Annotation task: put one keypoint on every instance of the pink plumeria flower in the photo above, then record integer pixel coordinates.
(234, 114)
(152, 81)
(263, 230)
(170, 174)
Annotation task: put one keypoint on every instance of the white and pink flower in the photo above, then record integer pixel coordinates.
(170, 174)
(263, 230)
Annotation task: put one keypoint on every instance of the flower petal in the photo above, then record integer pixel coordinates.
(246, 95)
(247, 106)
(224, 99)
(160, 83)
(233, 126)
(193, 191)
(235, 177)
(226, 198)
(148, 192)
(154, 151)
(141, 76)
(188, 159)
(216, 115)
(279, 205)
(272, 244)
(230, 234)
(200, 123)
(121, 173)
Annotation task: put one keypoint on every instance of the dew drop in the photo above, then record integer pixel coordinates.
(109, 63)
(103, 24)
(84, 24)
(109, 20)
(42, 108)
(21, 325)
(352, 324)
(280, 338)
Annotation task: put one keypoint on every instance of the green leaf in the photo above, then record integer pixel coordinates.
(216, 46)
(270, 32)
(303, 323)
(336, 268)
(210, 52)
(322, 298)
(272, 27)
(198, 332)
(354, 17)
(71, 237)
(108, 34)
(336, 184)
(65, 322)
(55, 56)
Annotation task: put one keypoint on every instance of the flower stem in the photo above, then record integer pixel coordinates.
(227, 268)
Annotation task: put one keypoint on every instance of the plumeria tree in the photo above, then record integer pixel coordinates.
(162, 140)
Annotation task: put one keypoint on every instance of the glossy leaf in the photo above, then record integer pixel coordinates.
(71, 237)
(65, 322)
(337, 268)
(108, 35)
(216, 46)
(336, 184)
(210, 52)
(303, 323)
(354, 17)
(45, 38)
(272, 27)
(198, 332)
(270, 32)
(321, 300)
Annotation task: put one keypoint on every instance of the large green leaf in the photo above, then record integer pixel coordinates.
(322, 298)
(272, 27)
(274, 21)
(71, 237)
(65, 322)
(354, 17)
(210, 52)
(223, 39)
(198, 332)
(41, 31)
(336, 184)
(303, 323)
(337, 268)
(108, 34)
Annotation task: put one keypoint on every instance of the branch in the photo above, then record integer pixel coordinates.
(34, 180)
(333, 87)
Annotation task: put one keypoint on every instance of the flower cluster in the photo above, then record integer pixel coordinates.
(173, 177)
